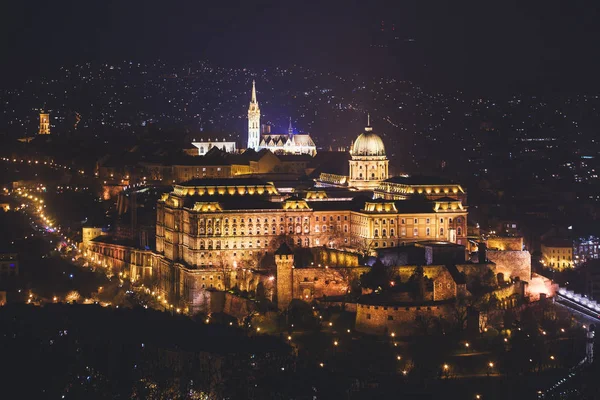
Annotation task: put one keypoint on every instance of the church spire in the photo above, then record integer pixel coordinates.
(253, 121)
(290, 129)
(253, 100)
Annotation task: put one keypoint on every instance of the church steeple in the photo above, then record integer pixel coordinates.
(253, 99)
(290, 129)
(253, 120)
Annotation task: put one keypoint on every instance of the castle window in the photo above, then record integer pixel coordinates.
(392, 232)
(441, 231)
(403, 221)
(441, 220)
(416, 221)
(317, 228)
(459, 231)
(449, 220)
(368, 316)
(339, 218)
(316, 218)
(376, 233)
(427, 231)
(345, 218)
(427, 221)
(415, 232)
(390, 318)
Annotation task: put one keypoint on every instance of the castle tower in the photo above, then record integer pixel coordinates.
(284, 259)
(253, 121)
(44, 123)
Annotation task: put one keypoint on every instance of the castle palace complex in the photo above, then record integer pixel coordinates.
(310, 242)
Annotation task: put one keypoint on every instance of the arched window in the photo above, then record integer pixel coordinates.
(376, 232)
(459, 231)
(384, 232)
(427, 231)
(441, 231)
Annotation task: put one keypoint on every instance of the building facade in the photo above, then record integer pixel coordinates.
(204, 146)
(44, 124)
(557, 254)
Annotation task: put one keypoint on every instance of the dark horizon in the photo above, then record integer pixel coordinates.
(509, 47)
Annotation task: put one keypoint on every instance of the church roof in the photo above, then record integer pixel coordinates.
(302, 140)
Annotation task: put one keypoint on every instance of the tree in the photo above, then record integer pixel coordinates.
(377, 278)
(416, 284)
(460, 310)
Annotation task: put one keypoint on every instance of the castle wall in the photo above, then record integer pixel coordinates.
(311, 283)
(512, 263)
(237, 306)
(384, 320)
(505, 243)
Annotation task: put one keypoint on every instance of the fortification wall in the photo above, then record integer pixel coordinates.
(384, 320)
(512, 263)
(505, 243)
(237, 306)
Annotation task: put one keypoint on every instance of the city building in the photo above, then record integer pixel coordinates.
(44, 123)
(557, 253)
(585, 249)
(290, 143)
(204, 146)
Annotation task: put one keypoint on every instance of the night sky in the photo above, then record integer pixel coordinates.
(549, 45)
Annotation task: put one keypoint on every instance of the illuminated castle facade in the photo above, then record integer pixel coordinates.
(289, 143)
(217, 234)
